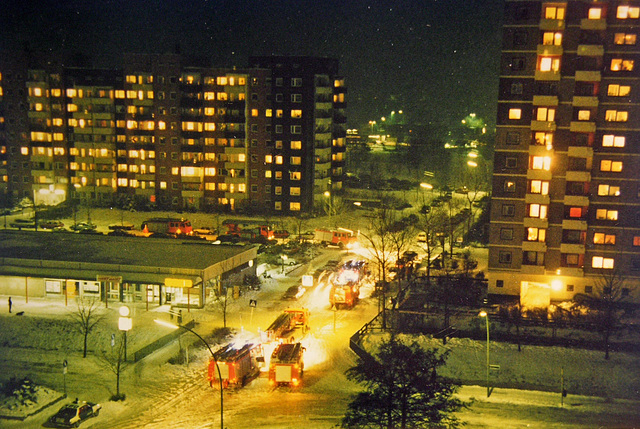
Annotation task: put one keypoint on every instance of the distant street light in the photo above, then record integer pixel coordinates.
(426, 186)
(472, 163)
(124, 324)
(486, 317)
(172, 326)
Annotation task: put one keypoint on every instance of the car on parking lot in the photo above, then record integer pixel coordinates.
(293, 293)
(23, 223)
(71, 415)
(281, 234)
(83, 226)
(50, 224)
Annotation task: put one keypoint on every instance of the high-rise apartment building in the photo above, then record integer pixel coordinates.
(164, 133)
(565, 209)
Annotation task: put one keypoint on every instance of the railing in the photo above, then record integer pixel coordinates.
(354, 341)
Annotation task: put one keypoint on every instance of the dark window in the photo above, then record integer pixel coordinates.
(517, 63)
(504, 257)
(588, 289)
(520, 38)
(506, 233)
(508, 210)
(546, 88)
(569, 288)
(513, 138)
(511, 162)
(521, 14)
(517, 88)
(499, 283)
(532, 258)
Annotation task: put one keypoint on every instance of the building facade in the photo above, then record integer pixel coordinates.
(565, 209)
(165, 133)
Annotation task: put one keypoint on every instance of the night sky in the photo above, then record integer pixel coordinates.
(437, 60)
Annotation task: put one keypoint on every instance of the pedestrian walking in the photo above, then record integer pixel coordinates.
(10, 304)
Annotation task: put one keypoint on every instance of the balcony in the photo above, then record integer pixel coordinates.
(538, 175)
(582, 127)
(532, 269)
(551, 24)
(572, 248)
(545, 100)
(582, 101)
(534, 246)
(547, 75)
(537, 199)
(588, 76)
(577, 224)
(534, 222)
(576, 200)
(591, 50)
(550, 50)
(580, 152)
(543, 126)
(571, 271)
(578, 176)
(593, 24)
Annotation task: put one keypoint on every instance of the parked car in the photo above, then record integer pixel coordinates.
(71, 415)
(81, 226)
(23, 223)
(293, 293)
(50, 224)
(281, 234)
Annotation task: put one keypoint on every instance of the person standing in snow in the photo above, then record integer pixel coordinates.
(10, 303)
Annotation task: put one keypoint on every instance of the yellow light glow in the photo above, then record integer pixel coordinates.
(556, 285)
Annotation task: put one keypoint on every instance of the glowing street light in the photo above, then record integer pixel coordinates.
(426, 186)
(172, 326)
(472, 163)
(486, 316)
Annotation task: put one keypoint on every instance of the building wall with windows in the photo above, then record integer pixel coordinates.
(565, 207)
(168, 134)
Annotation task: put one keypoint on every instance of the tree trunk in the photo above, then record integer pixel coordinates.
(84, 353)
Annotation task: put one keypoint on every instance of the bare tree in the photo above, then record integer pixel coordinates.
(86, 317)
(113, 359)
(609, 295)
(431, 221)
(381, 247)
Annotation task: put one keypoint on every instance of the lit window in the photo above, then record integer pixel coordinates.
(540, 187)
(209, 95)
(210, 171)
(546, 114)
(268, 174)
(294, 207)
(609, 140)
(58, 137)
(605, 214)
(628, 12)
(209, 111)
(162, 125)
(636, 240)
(595, 13)
(295, 175)
(71, 92)
(615, 90)
(221, 80)
(56, 92)
(24, 150)
(278, 190)
(509, 186)
(547, 64)
(242, 157)
(536, 234)
(268, 113)
(209, 126)
(602, 238)
(541, 163)
(600, 262)
(618, 64)
(584, 115)
(223, 96)
(605, 190)
(279, 159)
(268, 159)
(609, 165)
(294, 191)
(616, 116)
(554, 12)
(131, 125)
(254, 112)
(515, 113)
(296, 113)
(624, 39)
(296, 144)
(552, 38)
(296, 160)
(544, 139)
(575, 212)
(538, 211)
(72, 108)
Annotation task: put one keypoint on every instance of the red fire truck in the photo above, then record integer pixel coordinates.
(166, 225)
(345, 287)
(249, 229)
(284, 327)
(286, 366)
(340, 237)
(237, 365)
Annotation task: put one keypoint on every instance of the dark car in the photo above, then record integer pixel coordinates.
(50, 224)
(281, 234)
(71, 415)
(23, 223)
(293, 293)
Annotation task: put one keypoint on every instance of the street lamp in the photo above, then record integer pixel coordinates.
(172, 326)
(486, 316)
(124, 324)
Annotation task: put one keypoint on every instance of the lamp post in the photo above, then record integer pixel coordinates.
(486, 317)
(172, 326)
(124, 324)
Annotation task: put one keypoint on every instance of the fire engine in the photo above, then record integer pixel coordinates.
(286, 366)
(237, 365)
(248, 229)
(340, 237)
(345, 288)
(286, 324)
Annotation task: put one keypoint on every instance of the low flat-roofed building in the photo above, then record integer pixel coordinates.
(118, 269)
